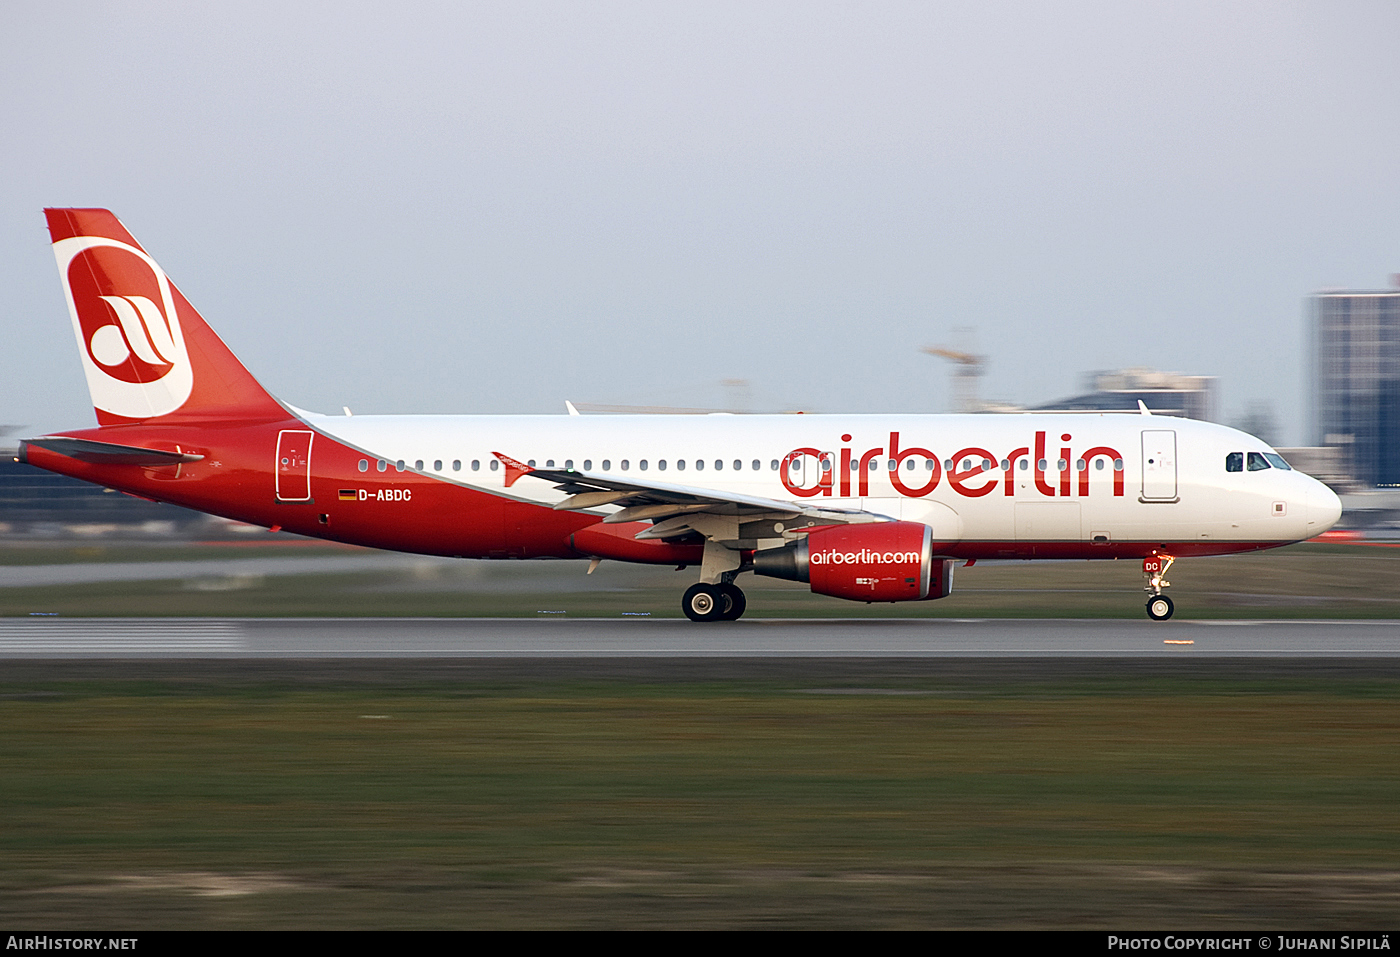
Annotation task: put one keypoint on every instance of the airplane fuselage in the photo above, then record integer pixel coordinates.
(990, 486)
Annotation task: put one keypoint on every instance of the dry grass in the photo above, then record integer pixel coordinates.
(1067, 795)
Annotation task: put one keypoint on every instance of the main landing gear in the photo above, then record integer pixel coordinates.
(722, 602)
(1159, 606)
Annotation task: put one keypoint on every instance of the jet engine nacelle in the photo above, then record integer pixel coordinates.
(888, 561)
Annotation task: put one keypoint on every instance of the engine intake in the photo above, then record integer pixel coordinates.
(888, 561)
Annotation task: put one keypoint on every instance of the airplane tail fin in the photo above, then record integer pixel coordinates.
(147, 354)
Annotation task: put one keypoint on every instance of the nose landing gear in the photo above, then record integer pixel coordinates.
(1159, 606)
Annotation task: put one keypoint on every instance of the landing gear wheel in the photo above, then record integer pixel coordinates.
(734, 602)
(1160, 608)
(704, 602)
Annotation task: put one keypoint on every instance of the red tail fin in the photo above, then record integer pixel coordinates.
(146, 352)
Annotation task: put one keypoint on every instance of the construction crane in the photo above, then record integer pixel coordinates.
(965, 376)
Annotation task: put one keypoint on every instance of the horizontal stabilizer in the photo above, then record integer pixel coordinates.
(106, 453)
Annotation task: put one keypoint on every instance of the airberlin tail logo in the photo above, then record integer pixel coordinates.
(128, 331)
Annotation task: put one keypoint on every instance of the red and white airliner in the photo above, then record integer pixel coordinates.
(863, 507)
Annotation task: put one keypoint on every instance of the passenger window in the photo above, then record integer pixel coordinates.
(607, 465)
(364, 465)
(928, 465)
(738, 465)
(437, 465)
(1025, 464)
(531, 463)
(643, 465)
(1257, 462)
(568, 463)
(1098, 464)
(587, 465)
(1278, 461)
(381, 465)
(719, 465)
(476, 465)
(773, 465)
(1234, 462)
(418, 466)
(757, 465)
(399, 465)
(456, 465)
(661, 465)
(680, 464)
(495, 465)
(624, 465)
(700, 465)
(549, 463)
(1118, 465)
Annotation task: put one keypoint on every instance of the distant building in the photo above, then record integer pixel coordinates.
(34, 502)
(1164, 393)
(1330, 464)
(1356, 381)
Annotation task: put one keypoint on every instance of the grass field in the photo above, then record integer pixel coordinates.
(841, 794)
(1307, 581)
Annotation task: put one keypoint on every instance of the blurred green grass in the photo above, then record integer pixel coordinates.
(1301, 581)
(790, 794)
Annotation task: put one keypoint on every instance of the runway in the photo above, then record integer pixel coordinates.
(282, 638)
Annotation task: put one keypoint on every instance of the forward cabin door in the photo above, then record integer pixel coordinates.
(1159, 465)
(294, 465)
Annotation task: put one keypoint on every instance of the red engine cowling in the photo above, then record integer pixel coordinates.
(888, 561)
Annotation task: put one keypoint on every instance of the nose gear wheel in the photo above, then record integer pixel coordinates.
(1159, 608)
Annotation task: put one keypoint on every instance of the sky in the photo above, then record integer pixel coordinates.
(495, 207)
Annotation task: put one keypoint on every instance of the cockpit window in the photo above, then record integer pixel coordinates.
(1257, 462)
(1234, 462)
(1278, 461)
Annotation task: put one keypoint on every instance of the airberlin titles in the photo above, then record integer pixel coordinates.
(972, 481)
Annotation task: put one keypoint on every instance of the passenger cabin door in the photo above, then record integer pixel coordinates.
(294, 465)
(1159, 465)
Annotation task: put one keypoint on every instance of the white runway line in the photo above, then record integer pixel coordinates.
(98, 637)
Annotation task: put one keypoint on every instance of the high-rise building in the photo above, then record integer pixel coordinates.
(1356, 380)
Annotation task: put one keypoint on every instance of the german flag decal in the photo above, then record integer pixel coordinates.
(347, 495)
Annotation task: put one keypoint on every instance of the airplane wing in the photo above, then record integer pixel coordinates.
(677, 509)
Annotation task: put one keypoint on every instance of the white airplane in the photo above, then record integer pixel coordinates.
(863, 507)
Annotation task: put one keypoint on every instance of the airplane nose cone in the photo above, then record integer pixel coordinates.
(1324, 509)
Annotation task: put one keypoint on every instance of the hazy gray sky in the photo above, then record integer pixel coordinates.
(494, 207)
